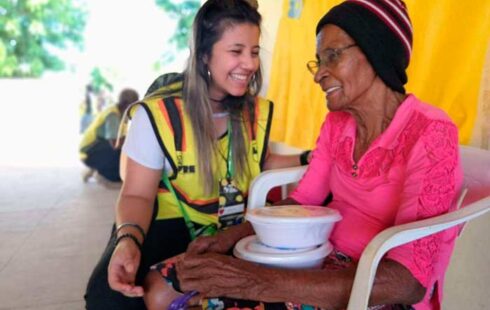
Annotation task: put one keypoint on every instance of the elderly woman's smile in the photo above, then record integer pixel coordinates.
(331, 92)
(332, 89)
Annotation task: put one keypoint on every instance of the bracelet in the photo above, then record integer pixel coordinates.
(138, 227)
(303, 158)
(130, 236)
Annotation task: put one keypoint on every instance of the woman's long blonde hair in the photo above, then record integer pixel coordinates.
(212, 19)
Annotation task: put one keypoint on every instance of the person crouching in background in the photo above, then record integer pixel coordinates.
(98, 150)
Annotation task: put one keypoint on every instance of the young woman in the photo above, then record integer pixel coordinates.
(195, 144)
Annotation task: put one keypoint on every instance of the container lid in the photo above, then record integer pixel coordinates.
(293, 214)
(251, 249)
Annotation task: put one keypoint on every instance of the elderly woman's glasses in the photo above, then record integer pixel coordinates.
(330, 57)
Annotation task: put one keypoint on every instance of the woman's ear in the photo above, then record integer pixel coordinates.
(205, 59)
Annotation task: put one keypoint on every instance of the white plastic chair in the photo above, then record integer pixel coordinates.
(476, 202)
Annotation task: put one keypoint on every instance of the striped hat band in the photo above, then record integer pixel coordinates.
(394, 14)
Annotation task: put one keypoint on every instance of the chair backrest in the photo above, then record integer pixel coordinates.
(476, 170)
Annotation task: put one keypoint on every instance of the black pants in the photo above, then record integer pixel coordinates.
(103, 158)
(165, 238)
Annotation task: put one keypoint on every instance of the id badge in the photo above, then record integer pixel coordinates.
(231, 205)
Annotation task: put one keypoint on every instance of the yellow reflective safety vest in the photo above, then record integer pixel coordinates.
(173, 128)
(91, 135)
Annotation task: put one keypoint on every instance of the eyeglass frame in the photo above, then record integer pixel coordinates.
(314, 65)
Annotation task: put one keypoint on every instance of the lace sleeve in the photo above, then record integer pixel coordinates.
(432, 182)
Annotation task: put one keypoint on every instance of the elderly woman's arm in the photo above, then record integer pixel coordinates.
(433, 181)
(277, 161)
(217, 275)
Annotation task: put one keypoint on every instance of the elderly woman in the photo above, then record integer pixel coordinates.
(386, 157)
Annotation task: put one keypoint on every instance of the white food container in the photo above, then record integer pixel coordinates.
(293, 226)
(251, 249)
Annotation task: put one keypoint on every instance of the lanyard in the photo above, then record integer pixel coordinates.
(187, 219)
(230, 171)
(230, 168)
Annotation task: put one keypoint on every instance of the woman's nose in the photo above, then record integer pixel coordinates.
(249, 62)
(320, 74)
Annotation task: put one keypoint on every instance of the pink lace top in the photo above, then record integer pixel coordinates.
(410, 172)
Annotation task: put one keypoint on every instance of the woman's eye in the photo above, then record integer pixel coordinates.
(236, 52)
(332, 57)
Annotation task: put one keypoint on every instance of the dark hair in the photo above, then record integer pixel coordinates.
(211, 21)
(126, 97)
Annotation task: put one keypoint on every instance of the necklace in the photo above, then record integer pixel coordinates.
(220, 114)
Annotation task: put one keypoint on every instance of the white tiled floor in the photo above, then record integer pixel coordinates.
(53, 229)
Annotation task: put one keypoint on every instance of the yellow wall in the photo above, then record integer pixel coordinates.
(481, 129)
(451, 38)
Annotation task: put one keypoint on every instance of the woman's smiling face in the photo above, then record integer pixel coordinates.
(233, 61)
(347, 76)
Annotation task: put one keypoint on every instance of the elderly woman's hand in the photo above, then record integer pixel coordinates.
(221, 242)
(215, 275)
(207, 244)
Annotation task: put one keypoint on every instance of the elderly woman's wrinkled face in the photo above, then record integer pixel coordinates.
(344, 73)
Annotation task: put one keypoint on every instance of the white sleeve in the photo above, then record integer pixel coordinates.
(141, 144)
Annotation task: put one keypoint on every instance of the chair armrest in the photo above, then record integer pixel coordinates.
(401, 234)
(267, 180)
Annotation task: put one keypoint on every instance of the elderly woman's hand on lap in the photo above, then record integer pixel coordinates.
(222, 242)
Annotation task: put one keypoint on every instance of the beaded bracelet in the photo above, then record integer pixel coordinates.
(303, 158)
(130, 236)
(138, 227)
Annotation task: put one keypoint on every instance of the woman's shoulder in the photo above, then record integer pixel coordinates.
(166, 86)
(429, 111)
(431, 127)
(265, 107)
(264, 101)
(435, 122)
(422, 121)
(166, 82)
(154, 102)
